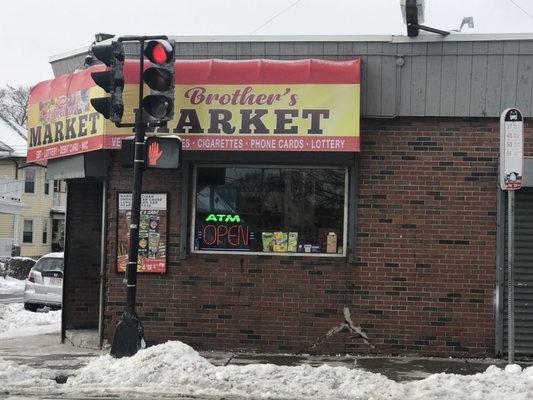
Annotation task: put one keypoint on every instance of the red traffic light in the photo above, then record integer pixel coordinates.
(159, 51)
(159, 54)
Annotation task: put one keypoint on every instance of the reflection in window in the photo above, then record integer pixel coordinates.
(272, 210)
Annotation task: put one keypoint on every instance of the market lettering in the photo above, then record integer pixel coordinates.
(251, 121)
(58, 131)
(223, 218)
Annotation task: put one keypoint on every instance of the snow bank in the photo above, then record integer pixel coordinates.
(14, 376)
(15, 321)
(177, 368)
(174, 369)
(511, 383)
(11, 285)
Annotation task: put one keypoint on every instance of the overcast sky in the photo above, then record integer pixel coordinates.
(33, 30)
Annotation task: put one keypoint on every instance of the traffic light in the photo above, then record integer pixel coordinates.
(111, 80)
(159, 105)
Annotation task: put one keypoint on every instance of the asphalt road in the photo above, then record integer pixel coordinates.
(7, 298)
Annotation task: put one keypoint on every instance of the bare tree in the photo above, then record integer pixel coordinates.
(14, 103)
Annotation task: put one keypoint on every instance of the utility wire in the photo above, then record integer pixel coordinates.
(275, 16)
(520, 8)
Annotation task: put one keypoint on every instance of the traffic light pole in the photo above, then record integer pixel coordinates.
(129, 332)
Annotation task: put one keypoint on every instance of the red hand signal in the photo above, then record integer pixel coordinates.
(154, 154)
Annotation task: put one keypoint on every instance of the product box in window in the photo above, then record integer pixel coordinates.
(280, 242)
(331, 243)
(292, 245)
(268, 241)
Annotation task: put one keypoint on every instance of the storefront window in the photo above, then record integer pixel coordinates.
(279, 210)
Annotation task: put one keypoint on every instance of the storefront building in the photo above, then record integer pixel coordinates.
(350, 181)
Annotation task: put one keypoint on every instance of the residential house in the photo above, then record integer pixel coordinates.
(36, 227)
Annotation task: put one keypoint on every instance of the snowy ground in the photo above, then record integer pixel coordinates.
(10, 285)
(15, 321)
(173, 369)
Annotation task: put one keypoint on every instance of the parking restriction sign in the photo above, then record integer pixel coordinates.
(511, 149)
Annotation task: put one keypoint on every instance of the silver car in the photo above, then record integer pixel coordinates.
(44, 286)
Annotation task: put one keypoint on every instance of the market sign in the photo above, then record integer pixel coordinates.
(252, 105)
(511, 149)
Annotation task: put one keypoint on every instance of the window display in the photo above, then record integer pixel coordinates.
(277, 210)
(152, 232)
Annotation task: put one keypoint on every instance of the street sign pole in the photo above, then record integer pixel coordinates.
(129, 333)
(511, 178)
(510, 278)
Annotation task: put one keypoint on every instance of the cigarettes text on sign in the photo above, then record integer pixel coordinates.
(254, 105)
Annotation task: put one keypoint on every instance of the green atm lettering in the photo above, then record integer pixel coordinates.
(223, 218)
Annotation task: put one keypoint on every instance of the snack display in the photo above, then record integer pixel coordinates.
(268, 241)
(292, 245)
(280, 242)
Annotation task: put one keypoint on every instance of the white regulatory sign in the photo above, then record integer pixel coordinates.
(511, 149)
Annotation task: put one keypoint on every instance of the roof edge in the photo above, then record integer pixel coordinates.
(423, 38)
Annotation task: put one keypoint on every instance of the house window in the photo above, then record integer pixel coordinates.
(27, 231)
(276, 210)
(46, 186)
(29, 180)
(45, 231)
(58, 187)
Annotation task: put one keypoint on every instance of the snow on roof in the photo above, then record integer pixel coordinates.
(5, 147)
(13, 136)
(54, 255)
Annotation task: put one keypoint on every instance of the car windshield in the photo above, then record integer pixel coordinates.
(49, 264)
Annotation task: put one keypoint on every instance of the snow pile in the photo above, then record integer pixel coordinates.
(14, 376)
(11, 285)
(16, 321)
(493, 384)
(176, 368)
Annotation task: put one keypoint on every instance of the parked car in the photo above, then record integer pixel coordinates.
(44, 286)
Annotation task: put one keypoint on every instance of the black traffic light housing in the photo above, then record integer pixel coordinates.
(160, 152)
(111, 80)
(163, 152)
(159, 104)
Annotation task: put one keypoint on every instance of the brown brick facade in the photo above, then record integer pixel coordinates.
(424, 279)
(82, 253)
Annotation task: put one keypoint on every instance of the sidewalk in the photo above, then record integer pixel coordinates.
(45, 351)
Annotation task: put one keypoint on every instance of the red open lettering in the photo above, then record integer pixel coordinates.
(232, 236)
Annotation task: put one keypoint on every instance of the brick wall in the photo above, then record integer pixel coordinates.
(425, 277)
(82, 252)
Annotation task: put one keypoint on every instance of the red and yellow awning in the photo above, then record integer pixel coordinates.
(252, 105)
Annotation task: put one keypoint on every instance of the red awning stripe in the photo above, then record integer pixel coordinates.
(222, 72)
